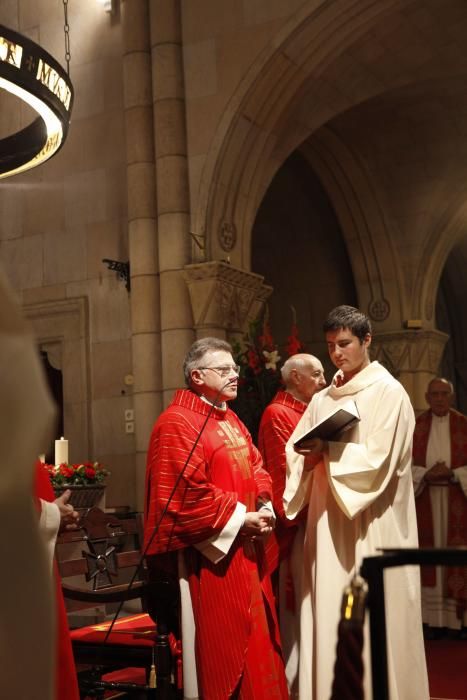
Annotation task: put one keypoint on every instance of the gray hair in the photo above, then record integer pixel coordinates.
(297, 362)
(198, 350)
(440, 379)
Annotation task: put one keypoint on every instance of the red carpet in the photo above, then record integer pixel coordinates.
(447, 668)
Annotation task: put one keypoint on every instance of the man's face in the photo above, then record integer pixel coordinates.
(347, 352)
(310, 379)
(216, 378)
(439, 397)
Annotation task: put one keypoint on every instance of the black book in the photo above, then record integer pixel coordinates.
(336, 422)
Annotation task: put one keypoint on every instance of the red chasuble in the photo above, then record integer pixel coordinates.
(237, 639)
(66, 684)
(278, 422)
(456, 577)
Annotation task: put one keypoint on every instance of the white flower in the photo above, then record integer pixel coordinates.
(272, 358)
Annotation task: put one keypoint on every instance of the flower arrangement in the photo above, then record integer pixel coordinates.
(84, 474)
(260, 378)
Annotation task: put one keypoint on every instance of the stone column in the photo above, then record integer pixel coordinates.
(142, 228)
(172, 189)
(224, 299)
(413, 357)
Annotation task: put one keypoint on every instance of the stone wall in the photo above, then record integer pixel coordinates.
(185, 113)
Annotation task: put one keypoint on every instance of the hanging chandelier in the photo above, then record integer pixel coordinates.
(34, 76)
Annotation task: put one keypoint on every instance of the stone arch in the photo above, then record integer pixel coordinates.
(374, 262)
(450, 229)
(253, 137)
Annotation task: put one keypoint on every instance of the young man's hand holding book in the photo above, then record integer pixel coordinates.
(312, 450)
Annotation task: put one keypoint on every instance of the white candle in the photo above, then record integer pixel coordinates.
(61, 451)
(42, 458)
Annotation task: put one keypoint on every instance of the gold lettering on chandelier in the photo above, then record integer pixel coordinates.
(10, 52)
(52, 80)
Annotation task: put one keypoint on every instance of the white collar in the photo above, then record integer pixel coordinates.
(221, 407)
(440, 419)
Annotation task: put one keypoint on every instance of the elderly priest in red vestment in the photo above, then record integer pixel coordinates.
(440, 481)
(302, 376)
(206, 476)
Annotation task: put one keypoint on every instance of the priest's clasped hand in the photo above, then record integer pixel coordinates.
(258, 524)
(439, 474)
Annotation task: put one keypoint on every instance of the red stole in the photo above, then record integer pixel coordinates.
(66, 685)
(456, 577)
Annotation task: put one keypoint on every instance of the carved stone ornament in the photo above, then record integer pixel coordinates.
(227, 236)
(379, 309)
(409, 351)
(224, 297)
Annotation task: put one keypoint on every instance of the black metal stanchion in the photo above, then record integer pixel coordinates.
(372, 570)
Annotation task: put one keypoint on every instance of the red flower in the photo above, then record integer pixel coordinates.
(266, 340)
(90, 472)
(66, 471)
(294, 343)
(254, 362)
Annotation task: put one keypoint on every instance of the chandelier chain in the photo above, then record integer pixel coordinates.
(66, 29)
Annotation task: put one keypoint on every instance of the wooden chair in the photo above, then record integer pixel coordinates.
(133, 654)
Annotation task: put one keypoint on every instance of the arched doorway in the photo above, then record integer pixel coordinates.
(298, 246)
(451, 318)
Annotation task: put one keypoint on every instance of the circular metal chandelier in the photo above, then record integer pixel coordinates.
(34, 76)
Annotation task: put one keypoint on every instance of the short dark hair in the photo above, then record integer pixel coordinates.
(198, 350)
(348, 317)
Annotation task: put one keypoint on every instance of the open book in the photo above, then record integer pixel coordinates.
(339, 420)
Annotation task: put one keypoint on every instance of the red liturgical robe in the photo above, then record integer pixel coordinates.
(237, 638)
(284, 549)
(456, 578)
(278, 422)
(65, 671)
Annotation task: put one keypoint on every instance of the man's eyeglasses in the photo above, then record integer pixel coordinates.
(224, 370)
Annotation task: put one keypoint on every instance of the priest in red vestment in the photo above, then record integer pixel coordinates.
(208, 505)
(302, 376)
(54, 514)
(440, 481)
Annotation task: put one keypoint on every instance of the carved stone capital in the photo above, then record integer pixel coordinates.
(409, 351)
(224, 297)
(413, 357)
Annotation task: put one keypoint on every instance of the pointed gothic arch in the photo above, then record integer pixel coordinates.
(259, 128)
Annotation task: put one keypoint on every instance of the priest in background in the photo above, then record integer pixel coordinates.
(302, 376)
(440, 481)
